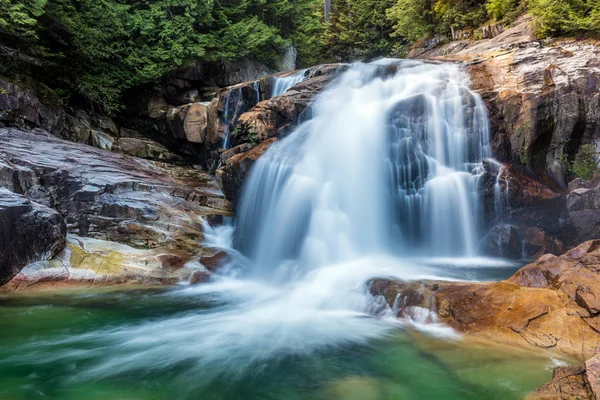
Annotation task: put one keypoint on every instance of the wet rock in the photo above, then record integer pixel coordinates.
(233, 171)
(550, 304)
(542, 97)
(503, 241)
(270, 119)
(214, 262)
(94, 262)
(109, 196)
(199, 277)
(29, 232)
(577, 382)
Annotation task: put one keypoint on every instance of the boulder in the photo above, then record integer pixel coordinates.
(189, 122)
(92, 129)
(109, 196)
(29, 232)
(199, 277)
(502, 241)
(215, 261)
(537, 242)
(549, 304)
(92, 262)
(232, 173)
(30, 104)
(146, 148)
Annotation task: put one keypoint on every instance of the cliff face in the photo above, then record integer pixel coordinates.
(543, 101)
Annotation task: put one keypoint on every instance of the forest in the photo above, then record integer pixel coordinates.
(90, 52)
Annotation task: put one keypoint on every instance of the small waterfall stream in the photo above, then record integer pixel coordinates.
(283, 84)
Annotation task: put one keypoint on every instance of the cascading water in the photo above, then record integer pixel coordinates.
(384, 171)
(283, 84)
(232, 112)
(389, 164)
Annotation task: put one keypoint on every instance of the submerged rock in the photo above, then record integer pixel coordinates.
(29, 232)
(577, 382)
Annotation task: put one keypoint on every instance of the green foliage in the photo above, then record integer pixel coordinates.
(561, 17)
(19, 17)
(359, 29)
(93, 50)
(523, 155)
(500, 9)
(411, 19)
(586, 163)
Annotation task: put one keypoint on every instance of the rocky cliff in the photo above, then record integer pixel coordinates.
(543, 101)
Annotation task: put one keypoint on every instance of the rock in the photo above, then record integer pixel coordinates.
(577, 382)
(542, 97)
(146, 148)
(581, 217)
(536, 242)
(503, 241)
(258, 128)
(29, 232)
(109, 196)
(214, 262)
(189, 122)
(501, 311)
(553, 303)
(30, 104)
(568, 383)
(199, 277)
(95, 130)
(233, 171)
(93, 262)
(156, 106)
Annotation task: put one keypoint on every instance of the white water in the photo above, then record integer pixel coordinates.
(283, 84)
(385, 173)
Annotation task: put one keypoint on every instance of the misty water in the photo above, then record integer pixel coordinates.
(381, 181)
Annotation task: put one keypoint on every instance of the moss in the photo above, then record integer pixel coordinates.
(585, 165)
(523, 155)
(108, 262)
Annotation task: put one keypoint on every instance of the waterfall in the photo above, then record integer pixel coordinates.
(232, 112)
(283, 84)
(381, 179)
(389, 164)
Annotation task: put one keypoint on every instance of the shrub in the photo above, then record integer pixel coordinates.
(586, 163)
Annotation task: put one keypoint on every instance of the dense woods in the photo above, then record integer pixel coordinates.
(90, 51)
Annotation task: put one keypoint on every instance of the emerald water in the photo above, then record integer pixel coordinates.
(49, 346)
(382, 181)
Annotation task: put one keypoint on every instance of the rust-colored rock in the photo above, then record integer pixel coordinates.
(199, 277)
(214, 262)
(553, 303)
(233, 171)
